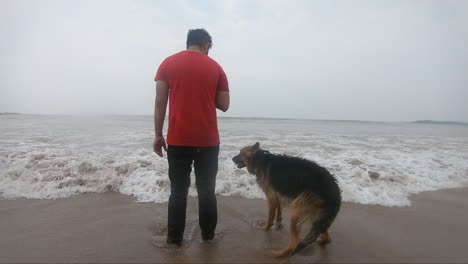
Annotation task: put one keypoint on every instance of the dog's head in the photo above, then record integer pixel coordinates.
(245, 155)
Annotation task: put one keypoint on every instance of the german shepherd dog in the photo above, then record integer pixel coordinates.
(310, 191)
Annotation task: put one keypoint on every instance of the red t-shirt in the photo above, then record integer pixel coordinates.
(193, 79)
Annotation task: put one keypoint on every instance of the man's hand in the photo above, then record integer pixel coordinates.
(160, 104)
(159, 142)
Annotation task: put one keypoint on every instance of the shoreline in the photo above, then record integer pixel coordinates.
(429, 122)
(112, 227)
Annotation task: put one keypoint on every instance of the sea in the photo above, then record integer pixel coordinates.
(380, 163)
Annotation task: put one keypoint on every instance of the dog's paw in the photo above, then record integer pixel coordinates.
(324, 239)
(279, 226)
(280, 253)
(266, 227)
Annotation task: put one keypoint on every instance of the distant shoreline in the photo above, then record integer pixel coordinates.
(220, 117)
(440, 122)
(433, 122)
(7, 113)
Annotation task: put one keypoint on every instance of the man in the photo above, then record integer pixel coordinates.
(196, 86)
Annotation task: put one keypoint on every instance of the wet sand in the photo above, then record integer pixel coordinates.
(111, 227)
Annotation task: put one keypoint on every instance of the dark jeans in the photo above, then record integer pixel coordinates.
(205, 161)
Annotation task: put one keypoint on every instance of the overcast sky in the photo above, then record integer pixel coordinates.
(347, 60)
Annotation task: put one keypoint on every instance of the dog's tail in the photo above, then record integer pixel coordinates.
(320, 225)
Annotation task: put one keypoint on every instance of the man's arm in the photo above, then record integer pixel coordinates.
(222, 101)
(160, 105)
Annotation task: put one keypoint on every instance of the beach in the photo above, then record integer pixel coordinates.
(90, 189)
(111, 227)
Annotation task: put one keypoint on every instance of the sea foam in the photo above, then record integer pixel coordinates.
(45, 157)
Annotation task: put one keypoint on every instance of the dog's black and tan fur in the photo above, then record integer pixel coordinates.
(310, 191)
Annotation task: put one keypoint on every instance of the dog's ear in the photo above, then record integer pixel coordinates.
(256, 146)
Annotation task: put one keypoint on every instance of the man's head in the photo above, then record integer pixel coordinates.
(200, 38)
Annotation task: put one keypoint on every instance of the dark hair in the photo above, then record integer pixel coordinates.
(198, 37)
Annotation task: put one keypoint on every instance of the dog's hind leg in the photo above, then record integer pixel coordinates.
(293, 235)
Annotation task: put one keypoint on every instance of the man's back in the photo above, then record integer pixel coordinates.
(195, 85)
(193, 79)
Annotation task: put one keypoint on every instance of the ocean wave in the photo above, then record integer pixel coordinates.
(384, 169)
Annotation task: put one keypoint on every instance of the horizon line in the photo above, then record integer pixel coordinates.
(252, 117)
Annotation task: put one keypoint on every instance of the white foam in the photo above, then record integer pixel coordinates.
(57, 160)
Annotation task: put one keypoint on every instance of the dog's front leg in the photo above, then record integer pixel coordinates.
(279, 217)
(272, 205)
